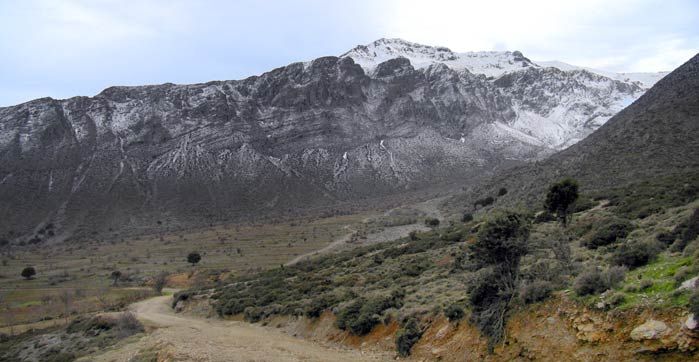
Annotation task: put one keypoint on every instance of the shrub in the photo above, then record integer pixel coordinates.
(583, 204)
(694, 304)
(634, 254)
(253, 314)
(543, 216)
(467, 217)
(28, 272)
(407, 336)
(360, 316)
(502, 191)
(317, 305)
(502, 239)
(595, 281)
(608, 233)
(536, 291)
(666, 238)
(484, 202)
(560, 197)
(454, 313)
(432, 222)
(687, 231)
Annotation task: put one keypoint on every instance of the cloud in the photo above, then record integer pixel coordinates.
(79, 47)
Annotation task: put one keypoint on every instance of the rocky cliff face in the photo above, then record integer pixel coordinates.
(301, 136)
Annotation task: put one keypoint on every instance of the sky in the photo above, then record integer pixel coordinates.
(65, 48)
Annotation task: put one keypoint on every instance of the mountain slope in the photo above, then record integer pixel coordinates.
(304, 136)
(657, 135)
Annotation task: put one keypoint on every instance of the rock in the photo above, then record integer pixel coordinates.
(591, 329)
(691, 322)
(650, 330)
(689, 284)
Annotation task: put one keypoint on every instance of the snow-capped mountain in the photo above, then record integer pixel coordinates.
(555, 104)
(380, 120)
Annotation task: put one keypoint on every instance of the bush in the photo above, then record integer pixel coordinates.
(608, 233)
(687, 231)
(467, 217)
(694, 304)
(432, 222)
(502, 191)
(536, 291)
(454, 313)
(501, 239)
(583, 204)
(28, 272)
(360, 316)
(318, 305)
(484, 202)
(595, 281)
(253, 314)
(543, 216)
(407, 336)
(634, 254)
(666, 238)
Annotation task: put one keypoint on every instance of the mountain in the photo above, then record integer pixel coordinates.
(308, 135)
(655, 137)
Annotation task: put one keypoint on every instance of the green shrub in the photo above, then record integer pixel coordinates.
(502, 191)
(407, 336)
(467, 217)
(634, 254)
(454, 313)
(360, 316)
(536, 291)
(608, 233)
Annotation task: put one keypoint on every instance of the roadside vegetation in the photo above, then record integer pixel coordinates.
(481, 266)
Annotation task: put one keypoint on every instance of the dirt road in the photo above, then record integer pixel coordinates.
(189, 338)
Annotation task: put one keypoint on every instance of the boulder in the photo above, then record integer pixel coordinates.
(650, 330)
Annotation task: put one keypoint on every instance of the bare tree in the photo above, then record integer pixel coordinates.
(66, 298)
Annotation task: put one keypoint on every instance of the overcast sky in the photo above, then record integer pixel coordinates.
(64, 48)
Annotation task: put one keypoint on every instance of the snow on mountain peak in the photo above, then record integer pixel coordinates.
(489, 63)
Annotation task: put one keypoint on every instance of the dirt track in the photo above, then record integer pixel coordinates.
(189, 338)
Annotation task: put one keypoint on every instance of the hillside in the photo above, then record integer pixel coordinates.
(655, 137)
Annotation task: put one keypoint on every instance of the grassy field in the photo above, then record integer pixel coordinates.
(75, 278)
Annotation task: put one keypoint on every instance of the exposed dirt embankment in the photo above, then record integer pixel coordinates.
(556, 330)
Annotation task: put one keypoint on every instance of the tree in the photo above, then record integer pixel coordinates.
(28, 272)
(501, 243)
(159, 283)
(193, 258)
(115, 276)
(560, 199)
